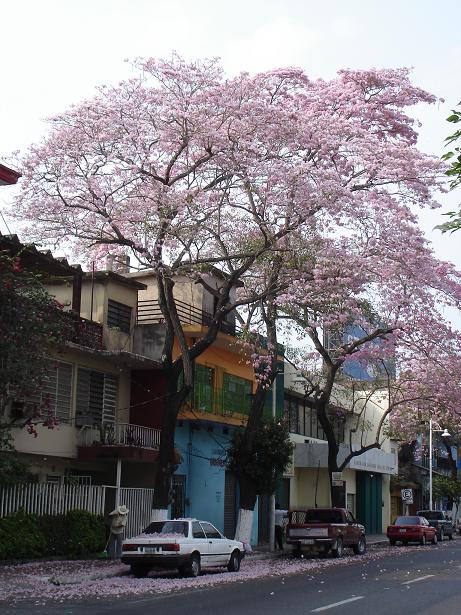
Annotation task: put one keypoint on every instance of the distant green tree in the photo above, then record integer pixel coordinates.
(270, 455)
(450, 488)
(454, 172)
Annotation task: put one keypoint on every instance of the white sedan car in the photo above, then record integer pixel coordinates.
(186, 544)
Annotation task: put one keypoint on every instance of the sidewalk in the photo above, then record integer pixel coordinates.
(64, 580)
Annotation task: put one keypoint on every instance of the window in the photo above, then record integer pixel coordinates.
(236, 394)
(171, 528)
(54, 396)
(350, 517)
(350, 502)
(302, 419)
(119, 315)
(210, 531)
(197, 531)
(96, 397)
(203, 388)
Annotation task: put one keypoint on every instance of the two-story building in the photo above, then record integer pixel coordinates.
(105, 386)
(365, 482)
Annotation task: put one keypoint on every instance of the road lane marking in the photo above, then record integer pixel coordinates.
(334, 604)
(427, 576)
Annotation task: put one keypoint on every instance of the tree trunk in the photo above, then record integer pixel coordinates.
(248, 488)
(167, 458)
(248, 497)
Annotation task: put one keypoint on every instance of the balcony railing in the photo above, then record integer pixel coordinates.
(149, 313)
(81, 331)
(220, 402)
(120, 434)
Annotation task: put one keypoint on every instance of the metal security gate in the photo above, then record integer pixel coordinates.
(138, 501)
(369, 501)
(230, 516)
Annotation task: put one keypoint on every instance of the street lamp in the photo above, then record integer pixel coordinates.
(445, 434)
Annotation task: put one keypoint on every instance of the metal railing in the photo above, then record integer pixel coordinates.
(120, 434)
(149, 312)
(218, 401)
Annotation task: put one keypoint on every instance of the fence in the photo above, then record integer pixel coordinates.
(139, 502)
(52, 499)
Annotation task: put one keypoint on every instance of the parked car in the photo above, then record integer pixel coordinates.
(186, 544)
(439, 520)
(324, 530)
(411, 529)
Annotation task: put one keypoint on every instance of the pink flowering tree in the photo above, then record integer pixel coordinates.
(369, 299)
(186, 170)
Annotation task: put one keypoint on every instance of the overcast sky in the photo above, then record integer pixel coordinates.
(53, 53)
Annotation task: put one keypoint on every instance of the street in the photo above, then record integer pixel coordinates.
(423, 581)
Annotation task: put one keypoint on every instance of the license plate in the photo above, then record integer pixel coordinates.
(307, 541)
(402, 531)
(151, 549)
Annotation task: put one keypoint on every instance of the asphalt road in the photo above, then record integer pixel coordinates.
(422, 582)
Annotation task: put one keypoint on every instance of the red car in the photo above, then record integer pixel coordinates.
(411, 529)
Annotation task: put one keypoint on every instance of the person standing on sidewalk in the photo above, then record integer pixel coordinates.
(279, 515)
(117, 527)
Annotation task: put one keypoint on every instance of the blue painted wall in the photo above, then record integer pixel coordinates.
(202, 446)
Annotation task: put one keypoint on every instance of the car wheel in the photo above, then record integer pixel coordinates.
(234, 562)
(450, 536)
(360, 547)
(441, 535)
(405, 543)
(139, 571)
(193, 567)
(434, 539)
(339, 548)
(392, 543)
(423, 540)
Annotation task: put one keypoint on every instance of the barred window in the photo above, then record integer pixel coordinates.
(55, 393)
(119, 315)
(96, 397)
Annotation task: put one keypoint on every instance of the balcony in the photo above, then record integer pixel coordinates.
(218, 402)
(149, 313)
(120, 434)
(81, 331)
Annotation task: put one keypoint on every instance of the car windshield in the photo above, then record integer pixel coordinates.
(407, 521)
(431, 515)
(323, 516)
(178, 528)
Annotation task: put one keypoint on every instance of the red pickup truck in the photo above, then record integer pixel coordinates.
(324, 530)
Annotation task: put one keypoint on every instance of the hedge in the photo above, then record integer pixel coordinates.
(77, 533)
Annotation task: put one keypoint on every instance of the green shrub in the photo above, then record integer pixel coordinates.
(77, 533)
(55, 532)
(20, 537)
(86, 533)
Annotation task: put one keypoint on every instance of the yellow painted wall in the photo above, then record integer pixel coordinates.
(228, 360)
